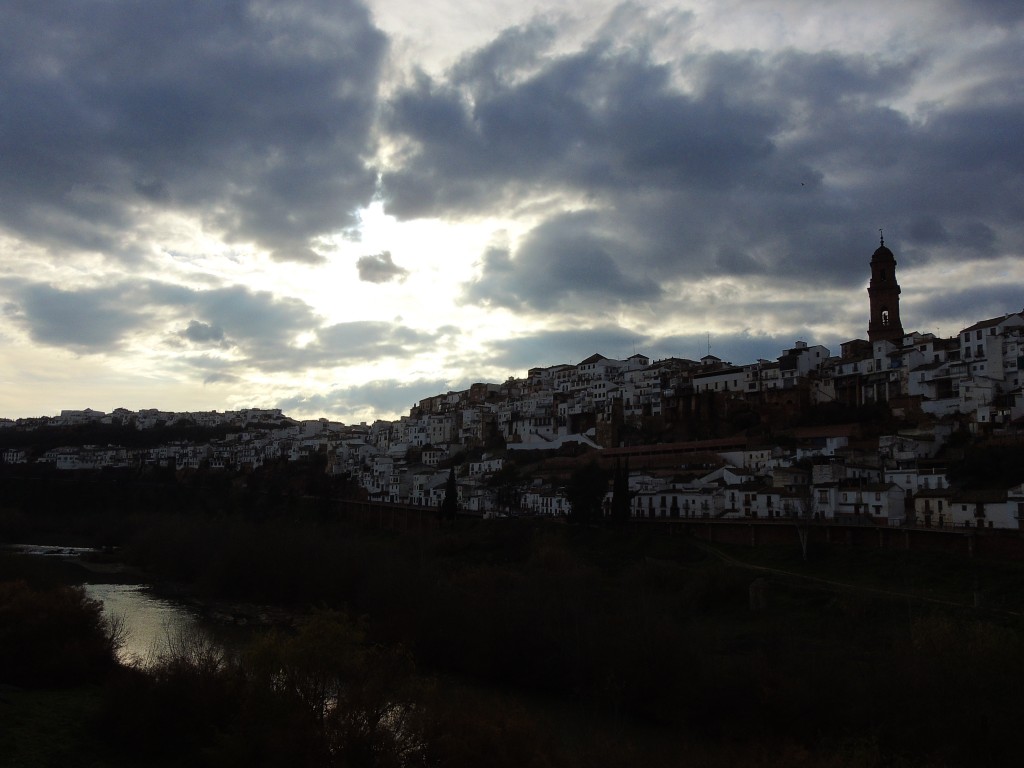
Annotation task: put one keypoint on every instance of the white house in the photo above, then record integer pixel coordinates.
(881, 503)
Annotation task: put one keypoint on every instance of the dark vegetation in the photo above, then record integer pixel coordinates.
(39, 502)
(38, 440)
(54, 636)
(515, 643)
(509, 642)
(989, 465)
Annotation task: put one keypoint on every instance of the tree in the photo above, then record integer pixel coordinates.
(450, 505)
(586, 491)
(802, 512)
(620, 493)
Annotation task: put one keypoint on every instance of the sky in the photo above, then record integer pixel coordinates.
(337, 207)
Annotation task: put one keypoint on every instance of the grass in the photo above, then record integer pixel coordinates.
(45, 728)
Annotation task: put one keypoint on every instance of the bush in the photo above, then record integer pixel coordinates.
(54, 637)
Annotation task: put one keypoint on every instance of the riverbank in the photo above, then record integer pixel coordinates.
(500, 626)
(99, 571)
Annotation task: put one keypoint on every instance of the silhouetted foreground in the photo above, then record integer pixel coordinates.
(526, 644)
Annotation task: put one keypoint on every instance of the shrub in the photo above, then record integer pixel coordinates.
(54, 637)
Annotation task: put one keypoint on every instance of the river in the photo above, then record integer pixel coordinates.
(151, 623)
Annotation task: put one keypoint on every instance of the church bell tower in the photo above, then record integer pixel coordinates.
(884, 294)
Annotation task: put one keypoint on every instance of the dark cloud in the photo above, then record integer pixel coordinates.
(963, 306)
(203, 333)
(96, 320)
(381, 397)
(370, 340)
(380, 268)
(567, 258)
(259, 324)
(714, 164)
(255, 116)
(563, 346)
(555, 347)
(737, 348)
(259, 329)
(596, 120)
(926, 231)
(987, 12)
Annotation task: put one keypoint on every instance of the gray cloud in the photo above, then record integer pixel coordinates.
(737, 348)
(563, 346)
(84, 321)
(260, 329)
(964, 305)
(567, 257)
(554, 347)
(780, 164)
(254, 116)
(220, 378)
(380, 268)
(370, 340)
(382, 397)
(987, 12)
(203, 333)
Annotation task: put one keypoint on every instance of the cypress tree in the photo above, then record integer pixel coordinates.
(450, 505)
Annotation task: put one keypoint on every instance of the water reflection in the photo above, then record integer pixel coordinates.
(151, 623)
(48, 550)
(153, 626)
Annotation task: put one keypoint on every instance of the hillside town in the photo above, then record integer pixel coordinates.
(701, 438)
